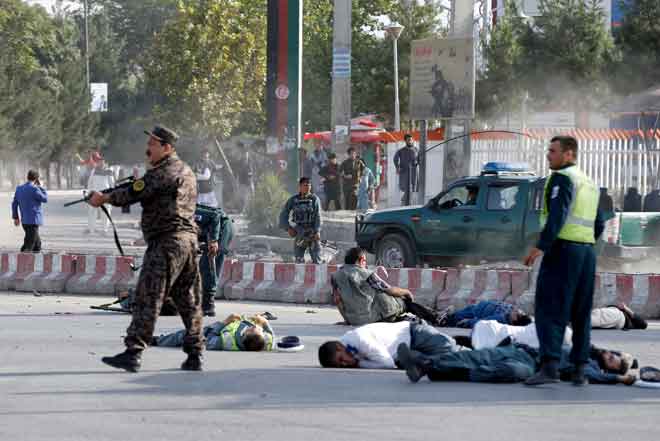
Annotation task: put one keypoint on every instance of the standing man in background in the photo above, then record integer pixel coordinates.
(28, 198)
(330, 174)
(100, 178)
(304, 208)
(351, 173)
(405, 161)
(565, 284)
(205, 174)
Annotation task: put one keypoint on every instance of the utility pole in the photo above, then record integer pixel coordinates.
(423, 141)
(341, 76)
(86, 49)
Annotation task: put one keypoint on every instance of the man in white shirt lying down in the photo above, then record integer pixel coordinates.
(374, 346)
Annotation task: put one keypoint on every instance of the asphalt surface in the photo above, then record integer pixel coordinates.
(54, 387)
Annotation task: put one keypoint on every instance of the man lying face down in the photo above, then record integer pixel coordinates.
(499, 311)
(374, 346)
(510, 363)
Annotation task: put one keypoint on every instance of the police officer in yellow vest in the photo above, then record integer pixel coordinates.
(565, 285)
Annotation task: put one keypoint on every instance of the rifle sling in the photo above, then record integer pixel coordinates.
(117, 243)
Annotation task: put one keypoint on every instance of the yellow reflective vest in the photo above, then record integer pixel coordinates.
(579, 225)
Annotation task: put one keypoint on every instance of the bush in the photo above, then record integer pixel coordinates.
(264, 208)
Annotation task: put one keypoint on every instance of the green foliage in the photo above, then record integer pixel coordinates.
(561, 58)
(265, 206)
(639, 40)
(209, 64)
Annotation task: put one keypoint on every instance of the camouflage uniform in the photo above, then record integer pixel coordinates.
(167, 193)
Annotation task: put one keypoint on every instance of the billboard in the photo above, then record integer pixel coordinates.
(99, 93)
(442, 79)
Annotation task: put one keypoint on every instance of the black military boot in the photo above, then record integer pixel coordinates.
(415, 368)
(208, 304)
(548, 373)
(193, 363)
(577, 377)
(128, 360)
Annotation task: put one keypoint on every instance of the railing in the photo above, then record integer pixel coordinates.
(613, 163)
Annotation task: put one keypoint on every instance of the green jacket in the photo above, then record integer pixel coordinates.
(362, 303)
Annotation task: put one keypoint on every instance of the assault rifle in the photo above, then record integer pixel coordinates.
(122, 183)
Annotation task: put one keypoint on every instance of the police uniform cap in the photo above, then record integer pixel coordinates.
(163, 134)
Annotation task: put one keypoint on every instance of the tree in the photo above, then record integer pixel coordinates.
(499, 86)
(209, 65)
(639, 41)
(568, 51)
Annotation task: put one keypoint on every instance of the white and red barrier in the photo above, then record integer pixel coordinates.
(279, 282)
(98, 274)
(308, 283)
(49, 273)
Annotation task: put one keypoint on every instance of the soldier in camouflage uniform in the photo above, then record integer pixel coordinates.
(167, 193)
(305, 227)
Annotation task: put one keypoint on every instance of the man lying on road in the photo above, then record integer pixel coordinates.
(235, 333)
(362, 297)
(512, 363)
(502, 312)
(618, 316)
(374, 346)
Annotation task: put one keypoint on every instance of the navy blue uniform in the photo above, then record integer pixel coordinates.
(305, 211)
(565, 285)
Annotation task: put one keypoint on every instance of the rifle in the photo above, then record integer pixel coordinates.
(122, 183)
(204, 248)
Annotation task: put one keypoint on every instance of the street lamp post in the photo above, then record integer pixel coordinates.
(394, 30)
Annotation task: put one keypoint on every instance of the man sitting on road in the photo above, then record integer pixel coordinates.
(502, 312)
(374, 346)
(512, 363)
(362, 297)
(235, 333)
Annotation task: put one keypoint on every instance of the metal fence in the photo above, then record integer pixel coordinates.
(612, 158)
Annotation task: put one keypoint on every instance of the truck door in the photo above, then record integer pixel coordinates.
(449, 227)
(501, 222)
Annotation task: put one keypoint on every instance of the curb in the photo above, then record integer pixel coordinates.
(309, 283)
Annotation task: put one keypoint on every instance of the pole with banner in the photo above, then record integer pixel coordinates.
(341, 77)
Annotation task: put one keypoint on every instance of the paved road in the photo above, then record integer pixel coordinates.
(64, 227)
(53, 387)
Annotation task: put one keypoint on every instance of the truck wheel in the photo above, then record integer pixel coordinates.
(394, 251)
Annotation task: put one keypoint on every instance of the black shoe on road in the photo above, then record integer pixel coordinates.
(129, 361)
(578, 378)
(192, 363)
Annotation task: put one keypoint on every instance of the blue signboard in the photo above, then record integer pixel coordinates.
(619, 11)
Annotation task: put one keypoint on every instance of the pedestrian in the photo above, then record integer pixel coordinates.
(167, 193)
(405, 161)
(28, 198)
(366, 190)
(100, 178)
(351, 172)
(205, 174)
(245, 180)
(652, 201)
(632, 201)
(330, 174)
(565, 284)
(304, 208)
(318, 159)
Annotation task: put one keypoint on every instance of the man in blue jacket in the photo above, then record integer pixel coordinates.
(499, 311)
(28, 198)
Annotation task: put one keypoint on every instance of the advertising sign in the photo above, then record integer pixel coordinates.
(442, 79)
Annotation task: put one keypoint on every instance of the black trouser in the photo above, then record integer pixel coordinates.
(350, 196)
(564, 292)
(32, 241)
(332, 195)
(421, 311)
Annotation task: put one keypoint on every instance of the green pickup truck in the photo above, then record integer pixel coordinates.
(494, 216)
